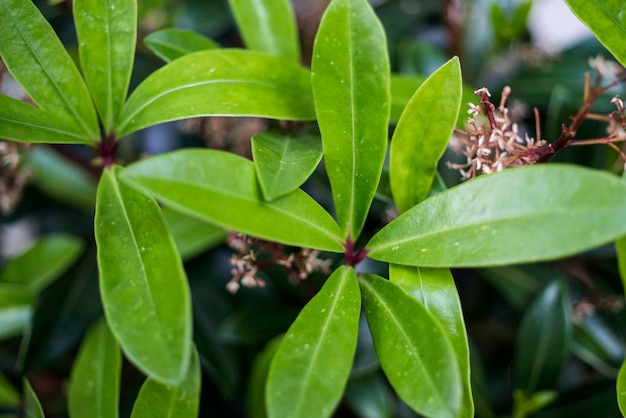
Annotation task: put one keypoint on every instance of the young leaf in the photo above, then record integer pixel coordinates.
(606, 20)
(621, 389)
(181, 401)
(521, 215)
(16, 309)
(435, 289)
(543, 340)
(107, 32)
(191, 235)
(47, 259)
(422, 135)
(142, 282)
(413, 348)
(95, 381)
(32, 407)
(222, 188)
(350, 76)
(172, 43)
(311, 367)
(237, 83)
(283, 162)
(38, 61)
(268, 26)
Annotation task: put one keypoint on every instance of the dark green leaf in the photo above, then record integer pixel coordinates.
(238, 83)
(370, 397)
(524, 405)
(181, 401)
(311, 367)
(518, 284)
(255, 324)
(350, 76)
(255, 396)
(107, 32)
(38, 61)
(597, 345)
(607, 21)
(47, 259)
(435, 289)
(521, 215)
(192, 236)
(592, 400)
(142, 282)
(621, 389)
(32, 407)
(171, 43)
(95, 381)
(620, 249)
(268, 26)
(61, 178)
(16, 309)
(222, 188)
(8, 395)
(543, 340)
(422, 135)
(284, 162)
(414, 350)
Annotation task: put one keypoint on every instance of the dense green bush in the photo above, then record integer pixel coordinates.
(273, 286)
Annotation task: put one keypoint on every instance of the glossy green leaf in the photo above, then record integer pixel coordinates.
(255, 396)
(191, 235)
(20, 121)
(16, 309)
(422, 135)
(283, 162)
(522, 215)
(543, 340)
(8, 394)
(621, 389)
(95, 380)
(61, 178)
(620, 250)
(142, 282)
(47, 259)
(268, 26)
(350, 76)
(435, 289)
(222, 188)
(172, 43)
(107, 34)
(414, 349)
(607, 21)
(36, 58)
(311, 367)
(226, 82)
(32, 406)
(156, 399)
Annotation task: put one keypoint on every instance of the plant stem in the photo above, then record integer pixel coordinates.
(106, 149)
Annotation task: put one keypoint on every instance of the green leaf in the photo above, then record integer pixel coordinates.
(311, 367)
(620, 249)
(370, 397)
(61, 178)
(607, 21)
(16, 309)
(95, 381)
(543, 340)
(435, 289)
(142, 282)
(8, 395)
(107, 33)
(156, 399)
(621, 389)
(238, 83)
(194, 181)
(284, 162)
(24, 122)
(414, 350)
(402, 88)
(32, 407)
(597, 345)
(521, 215)
(350, 76)
(171, 43)
(36, 58)
(191, 235)
(422, 135)
(524, 405)
(46, 260)
(255, 396)
(254, 324)
(268, 26)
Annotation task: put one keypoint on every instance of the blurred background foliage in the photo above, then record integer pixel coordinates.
(547, 340)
